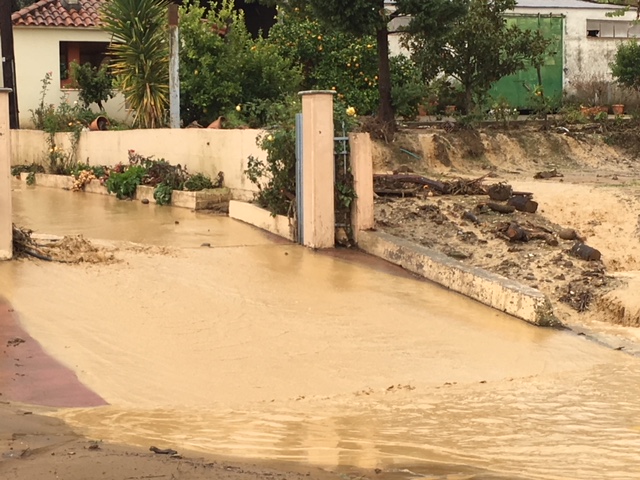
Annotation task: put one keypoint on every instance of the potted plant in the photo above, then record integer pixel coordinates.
(617, 109)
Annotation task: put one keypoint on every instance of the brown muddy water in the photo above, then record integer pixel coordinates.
(262, 349)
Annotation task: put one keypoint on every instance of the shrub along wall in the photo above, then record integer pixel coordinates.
(206, 151)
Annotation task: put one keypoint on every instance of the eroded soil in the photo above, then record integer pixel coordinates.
(596, 194)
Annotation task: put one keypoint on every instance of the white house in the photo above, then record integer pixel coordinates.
(590, 38)
(48, 36)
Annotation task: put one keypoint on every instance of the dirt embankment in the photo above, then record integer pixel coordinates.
(596, 193)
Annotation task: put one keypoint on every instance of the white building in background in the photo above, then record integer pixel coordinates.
(590, 37)
(48, 36)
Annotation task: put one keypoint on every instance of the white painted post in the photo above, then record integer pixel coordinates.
(318, 168)
(6, 228)
(362, 214)
(174, 67)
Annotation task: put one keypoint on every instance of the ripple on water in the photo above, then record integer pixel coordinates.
(581, 425)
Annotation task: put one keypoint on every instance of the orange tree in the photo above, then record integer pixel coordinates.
(344, 62)
(372, 17)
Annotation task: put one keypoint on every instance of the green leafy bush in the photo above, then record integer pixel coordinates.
(197, 182)
(346, 63)
(95, 84)
(124, 184)
(222, 68)
(162, 194)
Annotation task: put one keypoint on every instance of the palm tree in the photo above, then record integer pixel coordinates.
(140, 52)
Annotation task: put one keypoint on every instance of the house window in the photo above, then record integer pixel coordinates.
(94, 53)
(612, 29)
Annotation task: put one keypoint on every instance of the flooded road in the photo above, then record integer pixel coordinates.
(262, 349)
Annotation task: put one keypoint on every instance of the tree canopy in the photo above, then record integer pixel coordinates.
(479, 49)
(625, 67)
(372, 17)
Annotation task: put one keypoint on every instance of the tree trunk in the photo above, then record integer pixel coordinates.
(468, 99)
(385, 109)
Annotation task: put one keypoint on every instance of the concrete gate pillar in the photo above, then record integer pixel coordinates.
(318, 168)
(362, 215)
(6, 229)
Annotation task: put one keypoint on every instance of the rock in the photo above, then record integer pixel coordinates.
(145, 201)
(205, 244)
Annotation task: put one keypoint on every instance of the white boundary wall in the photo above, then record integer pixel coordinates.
(201, 150)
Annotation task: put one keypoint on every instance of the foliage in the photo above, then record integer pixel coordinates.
(95, 84)
(573, 115)
(65, 117)
(479, 50)
(503, 112)
(141, 56)
(142, 170)
(371, 17)
(625, 67)
(124, 184)
(198, 182)
(275, 176)
(542, 105)
(16, 170)
(162, 194)
(222, 67)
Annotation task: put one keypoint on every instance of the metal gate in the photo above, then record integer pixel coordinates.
(299, 213)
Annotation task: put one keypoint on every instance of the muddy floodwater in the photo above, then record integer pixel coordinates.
(257, 348)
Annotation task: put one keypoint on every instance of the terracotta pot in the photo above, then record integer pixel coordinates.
(617, 109)
(100, 123)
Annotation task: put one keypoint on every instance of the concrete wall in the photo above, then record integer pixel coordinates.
(37, 51)
(200, 150)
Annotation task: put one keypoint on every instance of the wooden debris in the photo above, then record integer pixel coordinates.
(500, 208)
(523, 204)
(456, 187)
(585, 252)
(548, 174)
(515, 233)
(467, 215)
(499, 191)
(400, 192)
(570, 234)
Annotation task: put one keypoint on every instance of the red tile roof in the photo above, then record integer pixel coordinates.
(52, 13)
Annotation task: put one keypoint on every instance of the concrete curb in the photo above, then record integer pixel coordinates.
(493, 290)
(261, 218)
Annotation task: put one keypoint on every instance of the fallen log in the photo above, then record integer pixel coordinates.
(585, 252)
(439, 187)
(523, 204)
(400, 192)
(495, 207)
(516, 233)
(547, 237)
(456, 187)
(549, 174)
(467, 215)
(570, 234)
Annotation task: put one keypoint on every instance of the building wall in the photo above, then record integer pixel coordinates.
(585, 57)
(199, 149)
(37, 52)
